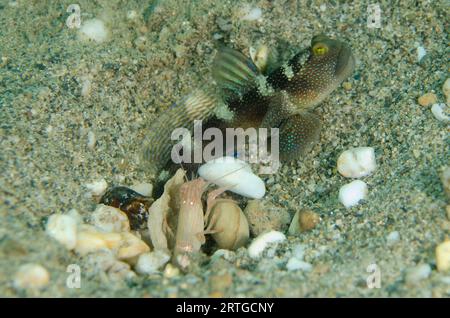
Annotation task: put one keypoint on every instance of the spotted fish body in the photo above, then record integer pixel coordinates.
(280, 99)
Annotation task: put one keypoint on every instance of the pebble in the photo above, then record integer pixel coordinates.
(91, 140)
(417, 273)
(171, 271)
(151, 262)
(144, 188)
(33, 276)
(357, 162)
(260, 243)
(352, 193)
(393, 237)
(131, 246)
(440, 112)
(443, 256)
(421, 52)
(63, 228)
(110, 219)
(299, 251)
(427, 99)
(97, 188)
(250, 13)
(225, 254)
(446, 89)
(93, 30)
(303, 220)
(295, 264)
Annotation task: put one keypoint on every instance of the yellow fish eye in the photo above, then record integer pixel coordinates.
(320, 49)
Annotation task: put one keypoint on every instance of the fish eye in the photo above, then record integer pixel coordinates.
(320, 49)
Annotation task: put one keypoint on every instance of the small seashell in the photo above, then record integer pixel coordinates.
(231, 224)
(110, 219)
(91, 241)
(151, 262)
(249, 13)
(440, 112)
(235, 175)
(93, 30)
(353, 192)
(63, 228)
(144, 188)
(260, 243)
(97, 188)
(32, 276)
(131, 246)
(446, 89)
(443, 256)
(357, 162)
(445, 179)
(303, 220)
(132, 203)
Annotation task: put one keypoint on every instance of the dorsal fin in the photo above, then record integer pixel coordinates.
(234, 73)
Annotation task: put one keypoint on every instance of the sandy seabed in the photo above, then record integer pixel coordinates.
(56, 90)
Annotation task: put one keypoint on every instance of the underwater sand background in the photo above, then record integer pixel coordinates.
(151, 62)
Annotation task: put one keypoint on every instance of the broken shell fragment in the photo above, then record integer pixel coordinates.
(110, 219)
(131, 246)
(259, 244)
(135, 205)
(149, 263)
(231, 225)
(63, 228)
(303, 220)
(357, 162)
(92, 241)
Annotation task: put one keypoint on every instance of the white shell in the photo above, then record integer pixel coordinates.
(94, 30)
(353, 192)
(250, 13)
(150, 262)
(260, 243)
(421, 52)
(31, 276)
(234, 174)
(110, 219)
(63, 228)
(357, 162)
(97, 188)
(439, 112)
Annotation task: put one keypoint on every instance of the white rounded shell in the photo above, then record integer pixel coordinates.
(357, 162)
(234, 174)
